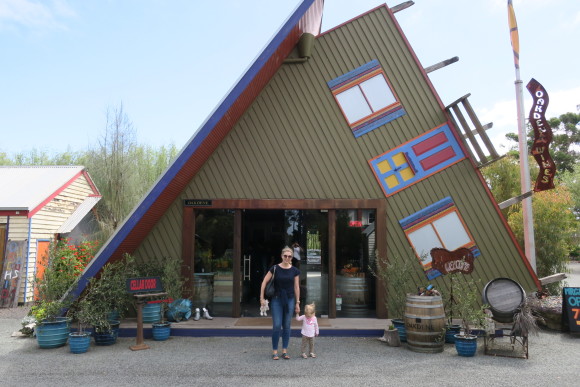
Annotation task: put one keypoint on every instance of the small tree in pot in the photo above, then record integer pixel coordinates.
(467, 308)
(396, 276)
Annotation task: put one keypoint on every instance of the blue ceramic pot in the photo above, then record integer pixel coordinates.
(53, 334)
(151, 313)
(466, 345)
(161, 331)
(109, 337)
(400, 325)
(79, 342)
(450, 333)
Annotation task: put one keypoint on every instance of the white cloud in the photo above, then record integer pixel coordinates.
(34, 13)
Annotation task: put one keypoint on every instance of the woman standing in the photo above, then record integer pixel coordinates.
(285, 302)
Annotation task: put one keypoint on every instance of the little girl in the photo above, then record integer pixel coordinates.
(309, 329)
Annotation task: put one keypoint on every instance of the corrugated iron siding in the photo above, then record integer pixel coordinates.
(293, 142)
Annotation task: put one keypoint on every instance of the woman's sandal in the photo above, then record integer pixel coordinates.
(312, 354)
(304, 356)
(275, 356)
(285, 356)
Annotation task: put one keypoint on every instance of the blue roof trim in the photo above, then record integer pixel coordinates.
(191, 147)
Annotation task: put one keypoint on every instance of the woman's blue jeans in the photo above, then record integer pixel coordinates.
(282, 310)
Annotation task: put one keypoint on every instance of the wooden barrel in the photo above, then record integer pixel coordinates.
(504, 296)
(425, 323)
(355, 295)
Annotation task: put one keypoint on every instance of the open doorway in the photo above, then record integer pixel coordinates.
(265, 233)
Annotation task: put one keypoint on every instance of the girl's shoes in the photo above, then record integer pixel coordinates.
(312, 354)
(304, 356)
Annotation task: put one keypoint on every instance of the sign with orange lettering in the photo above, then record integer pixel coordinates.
(571, 309)
(542, 136)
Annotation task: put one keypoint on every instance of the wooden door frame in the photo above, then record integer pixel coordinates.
(331, 205)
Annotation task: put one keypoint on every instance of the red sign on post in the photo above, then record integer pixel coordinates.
(542, 137)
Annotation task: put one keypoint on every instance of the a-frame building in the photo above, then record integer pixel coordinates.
(336, 141)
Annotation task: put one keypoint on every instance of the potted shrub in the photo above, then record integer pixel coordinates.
(467, 308)
(162, 329)
(169, 270)
(80, 340)
(61, 271)
(105, 294)
(396, 275)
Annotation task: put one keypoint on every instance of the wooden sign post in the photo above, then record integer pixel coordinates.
(143, 289)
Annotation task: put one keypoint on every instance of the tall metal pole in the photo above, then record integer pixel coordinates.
(529, 241)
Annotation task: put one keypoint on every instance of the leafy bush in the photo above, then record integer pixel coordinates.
(62, 269)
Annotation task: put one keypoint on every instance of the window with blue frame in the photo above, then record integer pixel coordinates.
(366, 98)
(417, 159)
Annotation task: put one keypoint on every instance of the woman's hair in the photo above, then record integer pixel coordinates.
(288, 249)
(310, 309)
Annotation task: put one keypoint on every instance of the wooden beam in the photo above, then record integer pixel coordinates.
(515, 200)
(441, 64)
(553, 278)
(402, 6)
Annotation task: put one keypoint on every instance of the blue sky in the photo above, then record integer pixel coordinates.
(170, 62)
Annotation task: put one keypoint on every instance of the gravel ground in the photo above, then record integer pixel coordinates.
(222, 361)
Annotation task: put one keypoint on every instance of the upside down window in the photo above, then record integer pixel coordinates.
(438, 225)
(366, 98)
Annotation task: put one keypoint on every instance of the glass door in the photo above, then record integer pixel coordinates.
(213, 261)
(355, 253)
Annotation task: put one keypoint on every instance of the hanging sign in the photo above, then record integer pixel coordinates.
(571, 309)
(447, 262)
(542, 137)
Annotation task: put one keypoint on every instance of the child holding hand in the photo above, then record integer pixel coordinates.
(309, 329)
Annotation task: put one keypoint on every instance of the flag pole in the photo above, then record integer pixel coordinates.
(528, 219)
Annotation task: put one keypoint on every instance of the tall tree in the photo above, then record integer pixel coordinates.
(554, 222)
(565, 141)
(111, 167)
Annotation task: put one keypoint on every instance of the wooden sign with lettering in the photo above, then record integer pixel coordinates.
(542, 137)
(445, 261)
(571, 309)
